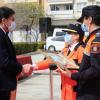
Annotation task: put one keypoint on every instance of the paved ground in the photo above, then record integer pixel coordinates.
(36, 87)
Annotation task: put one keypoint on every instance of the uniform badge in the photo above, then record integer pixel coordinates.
(95, 48)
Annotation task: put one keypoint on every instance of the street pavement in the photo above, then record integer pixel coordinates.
(37, 86)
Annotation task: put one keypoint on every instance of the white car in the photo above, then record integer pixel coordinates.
(55, 43)
(59, 32)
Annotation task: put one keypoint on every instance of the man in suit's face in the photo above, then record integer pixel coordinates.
(10, 23)
(8, 20)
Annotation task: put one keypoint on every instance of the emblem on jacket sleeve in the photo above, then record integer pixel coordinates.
(95, 47)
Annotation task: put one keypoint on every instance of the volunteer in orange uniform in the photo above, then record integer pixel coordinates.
(88, 76)
(74, 51)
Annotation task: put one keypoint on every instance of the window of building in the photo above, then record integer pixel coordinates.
(68, 6)
(55, 7)
(52, 7)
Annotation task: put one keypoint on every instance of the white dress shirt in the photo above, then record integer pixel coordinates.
(71, 48)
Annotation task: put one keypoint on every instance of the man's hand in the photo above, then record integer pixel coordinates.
(27, 69)
(68, 73)
(35, 66)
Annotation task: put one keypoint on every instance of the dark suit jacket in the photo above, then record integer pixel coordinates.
(9, 66)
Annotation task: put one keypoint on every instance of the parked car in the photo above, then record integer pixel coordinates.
(56, 41)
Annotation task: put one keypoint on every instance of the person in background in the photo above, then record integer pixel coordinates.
(10, 68)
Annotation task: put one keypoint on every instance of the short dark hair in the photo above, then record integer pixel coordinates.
(1, 15)
(7, 12)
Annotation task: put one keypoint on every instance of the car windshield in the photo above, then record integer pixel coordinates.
(61, 38)
(60, 33)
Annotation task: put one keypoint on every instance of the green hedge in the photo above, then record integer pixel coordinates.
(22, 48)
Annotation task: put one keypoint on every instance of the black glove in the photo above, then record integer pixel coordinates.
(53, 67)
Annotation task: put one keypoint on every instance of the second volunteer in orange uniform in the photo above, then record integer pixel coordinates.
(74, 51)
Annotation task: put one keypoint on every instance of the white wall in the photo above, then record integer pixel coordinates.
(20, 36)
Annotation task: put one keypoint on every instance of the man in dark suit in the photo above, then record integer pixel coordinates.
(9, 66)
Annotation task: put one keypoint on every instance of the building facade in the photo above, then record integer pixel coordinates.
(64, 12)
(19, 1)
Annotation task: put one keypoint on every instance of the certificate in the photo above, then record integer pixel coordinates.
(60, 60)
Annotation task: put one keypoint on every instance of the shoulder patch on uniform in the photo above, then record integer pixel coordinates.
(95, 47)
(98, 34)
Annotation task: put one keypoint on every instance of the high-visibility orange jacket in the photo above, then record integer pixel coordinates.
(67, 92)
(84, 39)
